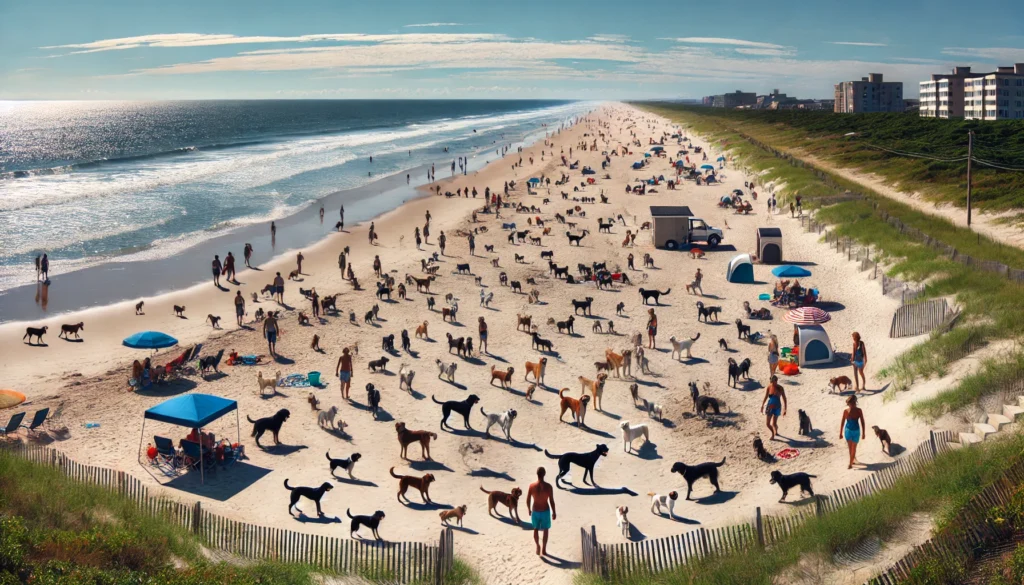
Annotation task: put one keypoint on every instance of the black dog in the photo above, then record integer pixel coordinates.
(456, 343)
(737, 370)
(547, 254)
(406, 343)
(761, 452)
(36, 332)
(723, 345)
(742, 330)
(309, 492)
(371, 522)
(584, 304)
(382, 363)
(702, 403)
(585, 460)
(373, 399)
(270, 423)
(462, 268)
(653, 294)
(706, 312)
(387, 343)
(805, 423)
(346, 464)
(692, 473)
(463, 407)
(619, 308)
(542, 344)
(787, 482)
(383, 290)
(566, 325)
(211, 362)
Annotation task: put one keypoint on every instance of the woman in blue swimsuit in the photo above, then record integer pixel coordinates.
(852, 428)
(774, 403)
(860, 359)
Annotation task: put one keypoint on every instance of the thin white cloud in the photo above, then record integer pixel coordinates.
(1001, 54)
(858, 44)
(726, 41)
(609, 38)
(433, 24)
(767, 52)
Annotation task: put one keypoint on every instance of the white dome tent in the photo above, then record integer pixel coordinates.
(815, 347)
(741, 269)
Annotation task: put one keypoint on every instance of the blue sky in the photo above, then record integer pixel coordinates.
(594, 49)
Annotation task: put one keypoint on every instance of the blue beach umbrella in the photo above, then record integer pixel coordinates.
(707, 166)
(657, 148)
(647, 155)
(150, 340)
(680, 163)
(534, 180)
(790, 271)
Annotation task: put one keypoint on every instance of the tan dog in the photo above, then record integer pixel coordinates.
(293, 275)
(421, 331)
(578, 407)
(696, 253)
(457, 513)
(407, 437)
(420, 483)
(268, 382)
(615, 361)
(524, 322)
(314, 403)
(510, 500)
(839, 383)
(537, 369)
(596, 388)
(315, 344)
(504, 377)
(530, 390)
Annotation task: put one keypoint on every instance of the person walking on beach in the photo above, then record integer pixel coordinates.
(341, 263)
(298, 260)
(44, 266)
(799, 205)
(483, 335)
(442, 241)
(540, 500)
(279, 288)
(652, 327)
(270, 330)
(344, 372)
(247, 252)
(852, 428)
(419, 240)
(426, 232)
(315, 300)
(629, 261)
(773, 404)
(860, 359)
(773, 355)
(216, 271)
(229, 268)
(239, 307)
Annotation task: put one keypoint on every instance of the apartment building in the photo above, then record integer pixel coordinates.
(870, 94)
(943, 95)
(996, 96)
(734, 100)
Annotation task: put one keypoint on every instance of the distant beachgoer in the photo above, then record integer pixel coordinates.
(852, 428)
(427, 216)
(270, 331)
(315, 300)
(321, 214)
(239, 307)
(247, 252)
(540, 500)
(860, 359)
(773, 404)
(376, 266)
(341, 263)
(273, 229)
(407, 178)
(419, 240)
(44, 267)
(483, 335)
(344, 372)
(442, 240)
(426, 232)
(652, 327)
(342, 213)
(799, 205)
(629, 261)
(279, 287)
(298, 260)
(773, 354)
(472, 244)
(216, 271)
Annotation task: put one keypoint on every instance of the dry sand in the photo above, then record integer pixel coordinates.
(91, 376)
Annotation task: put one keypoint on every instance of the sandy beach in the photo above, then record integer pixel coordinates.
(90, 377)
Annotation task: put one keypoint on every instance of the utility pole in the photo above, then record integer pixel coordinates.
(970, 155)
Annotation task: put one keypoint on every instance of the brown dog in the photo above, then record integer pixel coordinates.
(884, 438)
(420, 483)
(457, 513)
(537, 369)
(696, 253)
(407, 437)
(510, 500)
(504, 377)
(530, 390)
(615, 361)
(524, 322)
(578, 407)
(315, 344)
(596, 388)
(421, 330)
(835, 383)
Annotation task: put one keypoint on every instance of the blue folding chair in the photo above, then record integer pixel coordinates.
(37, 420)
(167, 458)
(196, 456)
(13, 425)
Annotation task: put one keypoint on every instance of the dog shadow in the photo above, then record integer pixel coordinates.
(75, 340)
(510, 521)
(426, 506)
(497, 358)
(677, 518)
(463, 432)
(598, 490)
(358, 482)
(283, 360)
(715, 498)
(338, 433)
(474, 361)
(302, 517)
(693, 361)
(648, 451)
(634, 534)
(651, 384)
(895, 449)
(713, 297)
(594, 431)
(416, 395)
(489, 473)
(213, 377)
(282, 449)
(610, 415)
(40, 344)
(463, 529)
(428, 465)
(815, 443)
(413, 354)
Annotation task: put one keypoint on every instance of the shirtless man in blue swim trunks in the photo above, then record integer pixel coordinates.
(774, 404)
(540, 500)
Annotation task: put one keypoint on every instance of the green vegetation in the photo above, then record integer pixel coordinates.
(997, 374)
(56, 531)
(993, 307)
(941, 488)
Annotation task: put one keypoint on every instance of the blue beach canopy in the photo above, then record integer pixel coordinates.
(790, 271)
(534, 180)
(657, 148)
(707, 166)
(150, 340)
(191, 410)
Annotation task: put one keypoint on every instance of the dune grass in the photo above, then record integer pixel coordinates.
(940, 488)
(54, 530)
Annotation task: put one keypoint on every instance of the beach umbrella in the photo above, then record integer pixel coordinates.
(807, 316)
(150, 340)
(680, 163)
(707, 167)
(790, 271)
(534, 180)
(737, 191)
(721, 158)
(657, 148)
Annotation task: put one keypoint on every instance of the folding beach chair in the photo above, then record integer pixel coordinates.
(167, 458)
(13, 425)
(196, 456)
(37, 421)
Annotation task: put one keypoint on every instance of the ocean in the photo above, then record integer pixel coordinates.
(96, 182)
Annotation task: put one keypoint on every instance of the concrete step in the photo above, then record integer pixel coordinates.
(983, 430)
(1012, 412)
(1020, 400)
(953, 445)
(998, 420)
(968, 438)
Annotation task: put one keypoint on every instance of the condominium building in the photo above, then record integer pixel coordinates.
(870, 94)
(734, 100)
(943, 95)
(996, 96)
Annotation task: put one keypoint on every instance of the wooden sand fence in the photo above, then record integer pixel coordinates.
(920, 317)
(660, 554)
(394, 562)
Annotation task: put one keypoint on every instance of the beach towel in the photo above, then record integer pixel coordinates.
(298, 381)
(788, 454)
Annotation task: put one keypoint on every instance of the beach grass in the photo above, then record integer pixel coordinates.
(992, 307)
(54, 530)
(940, 489)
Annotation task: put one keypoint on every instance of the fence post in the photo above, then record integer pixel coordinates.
(760, 527)
(931, 437)
(817, 507)
(704, 541)
(196, 513)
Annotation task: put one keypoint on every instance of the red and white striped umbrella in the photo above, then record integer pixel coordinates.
(807, 316)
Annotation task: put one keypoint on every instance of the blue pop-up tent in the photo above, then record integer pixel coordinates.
(194, 411)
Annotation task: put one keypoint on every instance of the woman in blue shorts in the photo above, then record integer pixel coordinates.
(852, 428)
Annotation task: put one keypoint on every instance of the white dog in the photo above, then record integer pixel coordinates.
(679, 346)
(504, 421)
(326, 417)
(622, 520)
(659, 501)
(631, 433)
(447, 370)
(268, 382)
(405, 376)
(653, 409)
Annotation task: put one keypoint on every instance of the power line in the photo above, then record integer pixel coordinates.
(915, 154)
(997, 166)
